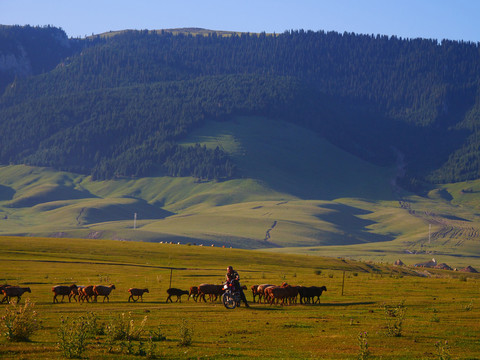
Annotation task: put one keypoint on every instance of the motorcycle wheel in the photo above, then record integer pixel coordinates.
(228, 301)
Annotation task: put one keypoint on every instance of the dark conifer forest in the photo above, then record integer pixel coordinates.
(115, 106)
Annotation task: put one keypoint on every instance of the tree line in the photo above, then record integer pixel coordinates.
(119, 106)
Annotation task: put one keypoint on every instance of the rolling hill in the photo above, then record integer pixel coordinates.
(359, 146)
(307, 210)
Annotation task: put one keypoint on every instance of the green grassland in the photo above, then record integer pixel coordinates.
(297, 194)
(439, 308)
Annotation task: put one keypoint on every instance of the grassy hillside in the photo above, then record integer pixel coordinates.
(439, 308)
(332, 203)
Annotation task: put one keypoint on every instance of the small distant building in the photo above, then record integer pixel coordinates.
(399, 263)
(429, 264)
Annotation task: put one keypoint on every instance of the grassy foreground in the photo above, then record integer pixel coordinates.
(442, 307)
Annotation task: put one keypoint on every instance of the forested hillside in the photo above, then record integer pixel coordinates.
(119, 105)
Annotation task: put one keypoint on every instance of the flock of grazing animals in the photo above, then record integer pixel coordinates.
(287, 294)
(284, 294)
(266, 293)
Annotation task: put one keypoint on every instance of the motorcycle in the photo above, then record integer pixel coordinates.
(231, 297)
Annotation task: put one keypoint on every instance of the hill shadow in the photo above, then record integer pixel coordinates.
(355, 228)
(118, 211)
(346, 217)
(6, 193)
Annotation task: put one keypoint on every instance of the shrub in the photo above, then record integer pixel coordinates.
(94, 327)
(363, 352)
(123, 328)
(435, 317)
(317, 272)
(443, 350)
(72, 336)
(20, 321)
(157, 335)
(186, 334)
(151, 349)
(394, 316)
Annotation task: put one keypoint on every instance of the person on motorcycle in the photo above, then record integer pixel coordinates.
(233, 276)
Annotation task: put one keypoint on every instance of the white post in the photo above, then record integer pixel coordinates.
(429, 233)
(134, 221)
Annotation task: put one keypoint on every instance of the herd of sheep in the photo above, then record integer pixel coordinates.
(266, 293)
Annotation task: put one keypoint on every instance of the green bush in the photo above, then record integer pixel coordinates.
(123, 328)
(186, 334)
(394, 316)
(20, 322)
(363, 352)
(72, 337)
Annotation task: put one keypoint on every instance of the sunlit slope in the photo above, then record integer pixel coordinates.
(296, 192)
(293, 160)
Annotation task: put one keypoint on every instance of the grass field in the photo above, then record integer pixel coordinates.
(439, 308)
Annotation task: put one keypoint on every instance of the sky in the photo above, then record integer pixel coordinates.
(432, 19)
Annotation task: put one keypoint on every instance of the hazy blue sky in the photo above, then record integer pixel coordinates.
(438, 19)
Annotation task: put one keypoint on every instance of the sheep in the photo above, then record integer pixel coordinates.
(136, 292)
(211, 290)
(78, 291)
(254, 291)
(87, 293)
(3, 287)
(193, 293)
(14, 291)
(176, 292)
(101, 290)
(261, 292)
(316, 291)
(63, 290)
(309, 293)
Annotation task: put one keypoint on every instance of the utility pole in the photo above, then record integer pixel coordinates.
(429, 234)
(134, 221)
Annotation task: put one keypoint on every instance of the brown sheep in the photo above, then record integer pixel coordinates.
(211, 290)
(176, 292)
(3, 287)
(14, 291)
(101, 290)
(286, 293)
(63, 290)
(254, 291)
(87, 294)
(136, 292)
(193, 293)
(261, 291)
(78, 291)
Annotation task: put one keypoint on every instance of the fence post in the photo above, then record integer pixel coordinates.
(171, 272)
(343, 281)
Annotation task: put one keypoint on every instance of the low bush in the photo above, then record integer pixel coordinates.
(20, 322)
(394, 316)
(73, 336)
